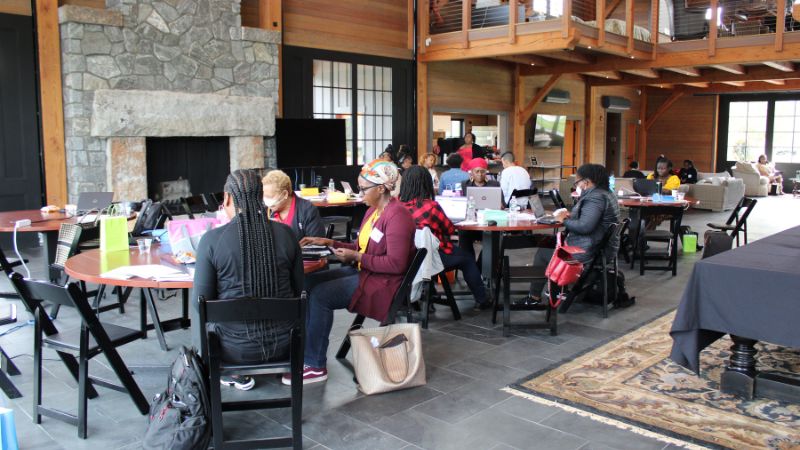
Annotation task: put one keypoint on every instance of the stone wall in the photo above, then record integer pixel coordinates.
(186, 46)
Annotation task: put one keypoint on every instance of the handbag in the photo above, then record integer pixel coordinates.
(388, 358)
(563, 268)
(184, 235)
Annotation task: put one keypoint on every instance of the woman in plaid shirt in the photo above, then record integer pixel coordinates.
(417, 195)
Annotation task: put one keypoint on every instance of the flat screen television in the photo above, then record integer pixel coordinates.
(310, 142)
(548, 130)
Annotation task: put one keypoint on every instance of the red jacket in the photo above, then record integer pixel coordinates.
(384, 263)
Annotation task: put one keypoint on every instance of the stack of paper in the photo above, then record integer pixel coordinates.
(155, 272)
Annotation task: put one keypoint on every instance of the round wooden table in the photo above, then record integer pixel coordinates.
(490, 243)
(327, 204)
(89, 266)
(645, 202)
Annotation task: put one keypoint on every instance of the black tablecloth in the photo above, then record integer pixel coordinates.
(751, 291)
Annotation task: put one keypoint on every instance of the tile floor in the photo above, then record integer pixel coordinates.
(462, 406)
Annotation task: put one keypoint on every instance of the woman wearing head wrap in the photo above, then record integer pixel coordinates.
(374, 269)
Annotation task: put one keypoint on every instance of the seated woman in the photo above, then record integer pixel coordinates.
(663, 173)
(418, 197)
(429, 161)
(765, 169)
(596, 210)
(251, 256)
(688, 173)
(381, 258)
(454, 175)
(289, 209)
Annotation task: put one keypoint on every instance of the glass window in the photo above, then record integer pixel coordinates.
(747, 130)
(374, 87)
(333, 98)
(786, 132)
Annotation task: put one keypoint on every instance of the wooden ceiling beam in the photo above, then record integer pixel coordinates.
(608, 75)
(483, 48)
(753, 86)
(776, 82)
(646, 73)
(698, 85)
(783, 66)
(525, 114)
(734, 83)
(688, 71)
(738, 69)
(569, 56)
(677, 94)
(755, 73)
(526, 60)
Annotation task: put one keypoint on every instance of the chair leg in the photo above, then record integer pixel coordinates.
(297, 391)
(605, 287)
(216, 403)
(83, 378)
(425, 301)
(553, 319)
(506, 297)
(345, 347)
(37, 374)
(451, 301)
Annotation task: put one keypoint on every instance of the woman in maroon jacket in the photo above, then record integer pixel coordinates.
(380, 258)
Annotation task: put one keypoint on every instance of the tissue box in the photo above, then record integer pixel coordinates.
(309, 192)
(485, 215)
(337, 197)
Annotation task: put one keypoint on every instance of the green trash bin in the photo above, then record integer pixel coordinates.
(689, 243)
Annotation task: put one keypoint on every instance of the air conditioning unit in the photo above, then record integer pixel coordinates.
(615, 104)
(557, 96)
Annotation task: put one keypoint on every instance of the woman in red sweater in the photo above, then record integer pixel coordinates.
(379, 260)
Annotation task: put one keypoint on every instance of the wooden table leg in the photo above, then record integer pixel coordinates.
(740, 375)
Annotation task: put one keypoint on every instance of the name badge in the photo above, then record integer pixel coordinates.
(376, 235)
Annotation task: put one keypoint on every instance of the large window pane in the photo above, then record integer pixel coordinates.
(747, 126)
(786, 132)
(332, 91)
(374, 104)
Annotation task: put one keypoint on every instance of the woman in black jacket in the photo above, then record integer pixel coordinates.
(285, 207)
(587, 223)
(688, 173)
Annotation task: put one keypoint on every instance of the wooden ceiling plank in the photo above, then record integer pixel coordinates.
(608, 75)
(776, 82)
(753, 86)
(783, 66)
(755, 73)
(646, 73)
(734, 83)
(568, 56)
(698, 85)
(689, 71)
(527, 60)
(738, 69)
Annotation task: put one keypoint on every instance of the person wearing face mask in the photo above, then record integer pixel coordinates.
(285, 207)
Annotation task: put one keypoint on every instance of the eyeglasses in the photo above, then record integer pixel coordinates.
(575, 184)
(363, 190)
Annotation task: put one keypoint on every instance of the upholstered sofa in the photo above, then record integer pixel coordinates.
(755, 184)
(715, 191)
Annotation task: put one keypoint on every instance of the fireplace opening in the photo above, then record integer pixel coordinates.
(203, 161)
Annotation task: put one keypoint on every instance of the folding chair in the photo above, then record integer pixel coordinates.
(674, 214)
(254, 309)
(601, 263)
(555, 196)
(737, 222)
(430, 297)
(400, 300)
(93, 338)
(8, 268)
(338, 222)
(193, 205)
(211, 202)
(517, 274)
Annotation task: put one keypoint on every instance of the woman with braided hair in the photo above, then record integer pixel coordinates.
(379, 260)
(251, 256)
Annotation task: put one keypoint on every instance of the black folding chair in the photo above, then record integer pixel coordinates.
(254, 309)
(193, 205)
(524, 193)
(555, 196)
(737, 222)
(7, 366)
(8, 268)
(673, 214)
(399, 301)
(519, 274)
(211, 202)
(430, 297)
(339, 222)
(93, 338)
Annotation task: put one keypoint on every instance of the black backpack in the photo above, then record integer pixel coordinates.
(594, 294)
(152, 216)
(179, 416)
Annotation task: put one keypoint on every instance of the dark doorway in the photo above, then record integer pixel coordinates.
(613, 139)
(204, 161)
(20, 162)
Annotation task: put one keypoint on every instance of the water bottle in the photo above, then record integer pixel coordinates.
(471, 213)
(513, 207)
(331, 186)
(611, 182)
(657, 195)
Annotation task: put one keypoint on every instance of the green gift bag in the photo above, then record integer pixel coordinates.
(113, 234)
(689, 243)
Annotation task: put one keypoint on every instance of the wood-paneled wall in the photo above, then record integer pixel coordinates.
(373, 27)
(687, 130)
(596, 153)
(18, 7)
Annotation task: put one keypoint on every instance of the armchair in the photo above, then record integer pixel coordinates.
(755, 184)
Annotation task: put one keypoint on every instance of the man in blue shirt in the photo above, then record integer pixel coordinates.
(454, 176)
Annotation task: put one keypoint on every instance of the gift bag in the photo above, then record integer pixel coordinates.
(388, 358)
(113, 234)
(184, 235)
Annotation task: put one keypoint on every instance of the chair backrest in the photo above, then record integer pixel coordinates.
(34, 292)
(193, 205)
(645, 187)
(404, 290)
(69, 235)
(152, 216)
(5, 264)
(329, 231)
(524, 193)
(555, 196)
(211, 202)
(747, 204)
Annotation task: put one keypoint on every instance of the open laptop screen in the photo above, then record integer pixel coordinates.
(455, 208)
(94, 201)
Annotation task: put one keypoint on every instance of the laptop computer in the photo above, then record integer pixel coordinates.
(486, 197)
(346, 188)
(94, 201)
(455, 208)
(539, 212)
(645, 187)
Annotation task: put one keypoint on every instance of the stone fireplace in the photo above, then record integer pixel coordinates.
(162, 68)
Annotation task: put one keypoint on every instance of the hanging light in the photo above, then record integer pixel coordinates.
(719, 15)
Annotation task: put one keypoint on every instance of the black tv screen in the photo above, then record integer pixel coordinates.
(310, 142)
(548, 130)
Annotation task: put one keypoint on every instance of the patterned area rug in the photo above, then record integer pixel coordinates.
(631, 383)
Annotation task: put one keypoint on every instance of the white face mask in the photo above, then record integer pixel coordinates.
(271, 203)
(579, 190)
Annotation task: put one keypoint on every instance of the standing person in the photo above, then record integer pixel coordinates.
(688, 174)
(285, 207)
(664, 174)
(453, 176)
(596, 210)
(633, 171)
(478, 168)
(417, 195)
(513, 178)
(428, 162)
(251, 256)
(766, 169)
(375, 267)
(469, 150)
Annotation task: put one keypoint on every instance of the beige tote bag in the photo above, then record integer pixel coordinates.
(388, 358)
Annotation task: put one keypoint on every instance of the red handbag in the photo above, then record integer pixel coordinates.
(563, 268)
